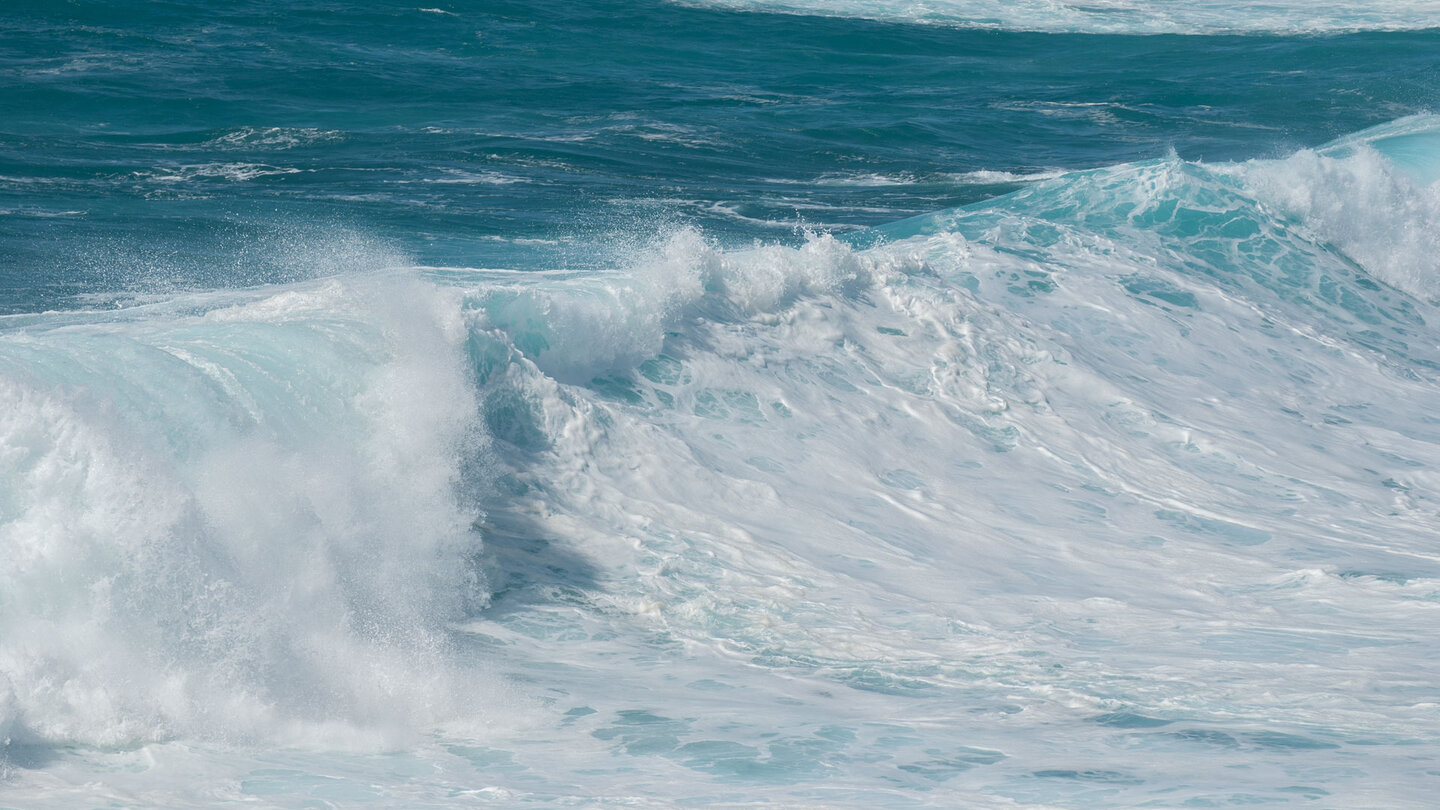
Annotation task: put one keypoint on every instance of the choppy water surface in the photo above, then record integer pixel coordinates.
(659, 404)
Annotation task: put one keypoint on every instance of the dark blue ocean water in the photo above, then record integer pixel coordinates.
(157, 144)
(725, 403)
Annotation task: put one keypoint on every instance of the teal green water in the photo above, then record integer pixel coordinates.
(152, 146)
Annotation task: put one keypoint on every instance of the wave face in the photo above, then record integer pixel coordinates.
(1113, 490)
(1123, 16)
(235, 518)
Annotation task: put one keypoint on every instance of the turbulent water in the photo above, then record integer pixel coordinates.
(739, 403)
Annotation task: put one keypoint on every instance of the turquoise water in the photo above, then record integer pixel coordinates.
(858, 404)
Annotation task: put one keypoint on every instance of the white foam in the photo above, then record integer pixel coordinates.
(992, 476)
(591, 325)
(1379, 208)
(1364, 206)
(1067, 497)
(1120, 16)
(252, 527)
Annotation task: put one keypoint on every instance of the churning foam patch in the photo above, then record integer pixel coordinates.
(255, 523)
(1375, 195)
(579, 327)
(251, 515)
(954, 469)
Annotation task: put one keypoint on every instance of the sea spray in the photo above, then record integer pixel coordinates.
(1378, 213)
(1110, 491)
(246, 522)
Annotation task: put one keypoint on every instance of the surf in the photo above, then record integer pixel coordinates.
(947, 500)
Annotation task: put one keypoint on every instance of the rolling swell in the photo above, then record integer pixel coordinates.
(1332, 233)
(1171, 411)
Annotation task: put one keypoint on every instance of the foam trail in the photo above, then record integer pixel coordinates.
(1371, 196)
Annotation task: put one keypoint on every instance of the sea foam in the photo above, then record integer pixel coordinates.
(1118, 480)
(241, 523)
(1120, 16)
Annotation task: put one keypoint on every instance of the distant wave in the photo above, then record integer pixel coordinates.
(1372, 195)
(1121, 16)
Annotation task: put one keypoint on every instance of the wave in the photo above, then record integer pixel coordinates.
(235, 515)
(1119, 16)
(1172, 410)
(1370, 198)
(1023, 454)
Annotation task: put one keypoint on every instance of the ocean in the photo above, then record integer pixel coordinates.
(719, 403)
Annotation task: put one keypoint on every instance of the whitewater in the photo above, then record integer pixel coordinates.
(1107, 481)
(1120, 16)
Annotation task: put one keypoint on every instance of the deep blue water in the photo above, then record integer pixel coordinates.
(174, 136)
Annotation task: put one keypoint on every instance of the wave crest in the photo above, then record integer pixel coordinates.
(1119, 16)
